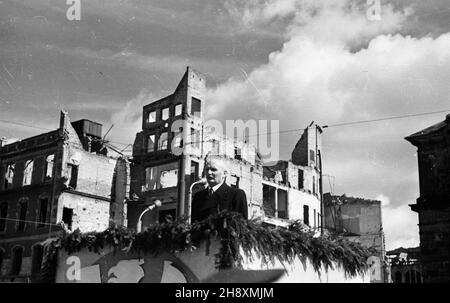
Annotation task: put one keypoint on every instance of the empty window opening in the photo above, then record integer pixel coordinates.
(300, 179)
(282, 204)
(16, 264)
(306, 214)
(178, 109)
(161, 176)
(196, 106)
(194, 171)
(36, 263)
(9, 175)
(162, 142)
(67, 217)
(151, 143)
(237, 153)
(151, 117)
(3, 215)
(73, 175)
(269, 193)
(49, 160)
(28, 172)
(1, 259)
(165, 113)
(43, 208)
(23, 208)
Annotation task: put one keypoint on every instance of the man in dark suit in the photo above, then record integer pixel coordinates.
(217, 196)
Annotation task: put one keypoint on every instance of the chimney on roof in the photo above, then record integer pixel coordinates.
(63, 119)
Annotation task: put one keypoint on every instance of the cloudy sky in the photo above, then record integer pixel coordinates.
(295, 61)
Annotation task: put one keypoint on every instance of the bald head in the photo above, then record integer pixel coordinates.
(215, 171)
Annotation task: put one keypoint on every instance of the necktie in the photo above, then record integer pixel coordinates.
(210, 192)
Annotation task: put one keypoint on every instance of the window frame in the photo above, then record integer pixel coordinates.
(3, 219)
(149, 115)
(161, 140)
(27, 179)
(155, 171)
(22, 224)
(199, 102)
(40, 223)
(154, 143)
(46, 168)
(10, 166)
(163, 110)
(179, 105)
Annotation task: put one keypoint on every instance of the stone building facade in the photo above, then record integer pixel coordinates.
(61, 176)
(292, 190)
(359, 220)
(169, 152)
(433, 205)
(405, 265)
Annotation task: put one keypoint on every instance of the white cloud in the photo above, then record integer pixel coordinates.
(400, 227)
(385, 201)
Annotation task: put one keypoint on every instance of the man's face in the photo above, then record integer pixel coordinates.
(214, 172)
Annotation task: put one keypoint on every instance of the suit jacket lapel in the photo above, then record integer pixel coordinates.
(221, 197)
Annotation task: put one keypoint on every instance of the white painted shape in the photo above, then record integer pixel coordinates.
(172, 274)
(126, 271)
(90, 274)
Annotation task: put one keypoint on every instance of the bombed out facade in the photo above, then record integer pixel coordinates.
(359, 220)
(279, 193)
(60, 179)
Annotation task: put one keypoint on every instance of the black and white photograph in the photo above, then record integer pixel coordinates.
(224, 145)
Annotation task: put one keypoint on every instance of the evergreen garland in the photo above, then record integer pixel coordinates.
(234, 233)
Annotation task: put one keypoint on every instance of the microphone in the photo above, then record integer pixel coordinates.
(156, 204)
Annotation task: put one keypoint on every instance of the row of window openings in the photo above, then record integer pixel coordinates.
(17, 256)
(279, 209)
(163, 140)
(178, 110)
(166, 175)
(281, 213)
(22, 214)
(301, 182)
(28, 172)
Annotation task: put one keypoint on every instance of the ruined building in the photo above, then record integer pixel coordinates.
(168, 158)
(359, 220)
(292, 190)
(60, 179)
(433, 205)
(405, 265)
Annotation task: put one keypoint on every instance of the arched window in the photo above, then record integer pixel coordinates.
(419, 277)
(1, 260)
(3, 215)
(38, 255)
(16, 264)
(407, 277)
(398, 277)
(23, 209)
(28, 172)
(413, 276)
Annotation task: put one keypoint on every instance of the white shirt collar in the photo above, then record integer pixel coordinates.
(216, 187)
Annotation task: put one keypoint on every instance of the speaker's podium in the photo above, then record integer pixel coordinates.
(195, 265)
(192, 266)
